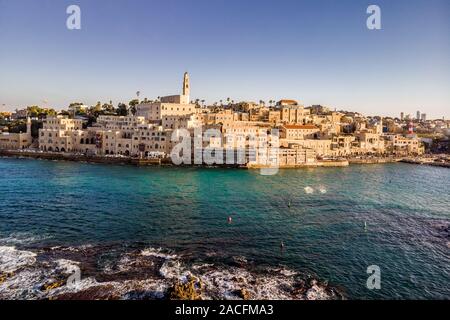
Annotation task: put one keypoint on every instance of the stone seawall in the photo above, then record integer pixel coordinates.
(153, 162)
(373, 160)
(427, 163)
(79, 158)
(330, 163)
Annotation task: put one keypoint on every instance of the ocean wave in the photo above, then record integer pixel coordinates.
(22, 238)
(158, 253)
(12, 259)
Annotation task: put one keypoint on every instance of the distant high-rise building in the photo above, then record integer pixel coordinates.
(423, 117)
(418, 115)
(402, 115)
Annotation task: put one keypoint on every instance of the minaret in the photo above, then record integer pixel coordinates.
(186, 86)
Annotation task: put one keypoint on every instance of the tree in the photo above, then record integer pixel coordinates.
(122, 109)
(37, 112)
(132, 105)
(133, 102)
(74, 104)
(108, 108)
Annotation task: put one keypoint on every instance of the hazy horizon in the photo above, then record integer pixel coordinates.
(316, 52)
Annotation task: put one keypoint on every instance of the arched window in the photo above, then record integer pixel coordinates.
(82, 141)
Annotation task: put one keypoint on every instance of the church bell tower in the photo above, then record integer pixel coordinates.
(186, 86)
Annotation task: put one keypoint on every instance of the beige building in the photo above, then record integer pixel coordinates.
(322, 147)
(369, 142)
(61, 134)
(342, 145)
(294, 114)
(16, 141)
(296, 155)
(401, 145)
(295, 132)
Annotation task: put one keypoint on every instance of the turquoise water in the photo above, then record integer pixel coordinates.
(406, 209)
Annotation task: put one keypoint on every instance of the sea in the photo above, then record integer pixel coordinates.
(71, 230)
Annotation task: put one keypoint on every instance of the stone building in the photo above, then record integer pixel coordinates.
(293, 132)
(16, 141)
(175, 105)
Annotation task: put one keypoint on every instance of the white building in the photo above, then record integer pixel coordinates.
(168, 106)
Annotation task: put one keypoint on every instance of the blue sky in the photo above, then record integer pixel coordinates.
(318, 52)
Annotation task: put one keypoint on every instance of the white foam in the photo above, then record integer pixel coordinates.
(158, 253)
(317, 293)
(23, 285)
(224, 284)
(173, 269)
(22, 238)
(67, 266)
(12, 259)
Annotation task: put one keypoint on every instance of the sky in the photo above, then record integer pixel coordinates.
(315, 51)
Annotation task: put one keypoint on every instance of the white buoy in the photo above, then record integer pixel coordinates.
(309, 190)
(322, 189)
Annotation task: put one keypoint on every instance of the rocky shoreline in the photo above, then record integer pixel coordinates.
(146, 274)
(427, 162)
